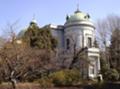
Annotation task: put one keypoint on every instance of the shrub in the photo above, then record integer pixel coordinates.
(112, 75)
(65, 77)
(118, 69)
(45, 82)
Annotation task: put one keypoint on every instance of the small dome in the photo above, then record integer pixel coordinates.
(77, 16)
(21, 33)
(33, 21)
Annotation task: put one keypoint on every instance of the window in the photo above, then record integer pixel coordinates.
(92, 70)
(93, 64)
(89, 42)
(67, 43)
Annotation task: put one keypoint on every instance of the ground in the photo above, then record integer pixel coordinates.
(36, 86)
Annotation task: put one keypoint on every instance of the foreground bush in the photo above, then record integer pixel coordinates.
(112, 75)
(45, 82)
(61, 78)
(118, 69)
(65, 77)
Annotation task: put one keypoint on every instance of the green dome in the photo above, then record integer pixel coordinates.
(21, 33)
(77, 16)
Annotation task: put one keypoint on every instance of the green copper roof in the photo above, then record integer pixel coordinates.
(21, 33)
(78, 15)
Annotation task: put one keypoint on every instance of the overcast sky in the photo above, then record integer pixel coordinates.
(52, 11)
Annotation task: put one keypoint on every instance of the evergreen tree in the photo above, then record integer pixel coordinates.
(39, 37)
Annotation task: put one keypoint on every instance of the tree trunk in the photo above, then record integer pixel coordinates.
(13, 82)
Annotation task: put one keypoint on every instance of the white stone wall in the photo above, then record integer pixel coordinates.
(88, 32)
(75, 35)
(94, 58)
(59, 35)
(79, 34)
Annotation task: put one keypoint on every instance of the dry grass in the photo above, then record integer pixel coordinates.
(31, 86)
(20, 86)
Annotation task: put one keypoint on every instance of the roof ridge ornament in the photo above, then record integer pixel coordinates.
(33, 19)
(78, 7)
(77, 11)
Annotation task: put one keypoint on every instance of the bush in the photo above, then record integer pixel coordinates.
(118, 69)
(45, 82)
(65, 77)
(112, 75)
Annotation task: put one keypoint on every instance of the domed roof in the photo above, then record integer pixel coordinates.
(33, 21)
(21, 33)
(77, 16)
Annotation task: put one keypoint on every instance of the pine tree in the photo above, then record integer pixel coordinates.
(39, 37)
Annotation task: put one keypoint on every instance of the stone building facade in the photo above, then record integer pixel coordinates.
(76, 34)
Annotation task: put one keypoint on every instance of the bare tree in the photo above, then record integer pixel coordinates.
(19, 62)
(105, 28)
(115, 50)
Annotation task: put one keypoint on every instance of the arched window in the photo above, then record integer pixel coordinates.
(68, 43)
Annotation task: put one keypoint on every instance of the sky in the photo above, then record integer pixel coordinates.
(52, 11)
